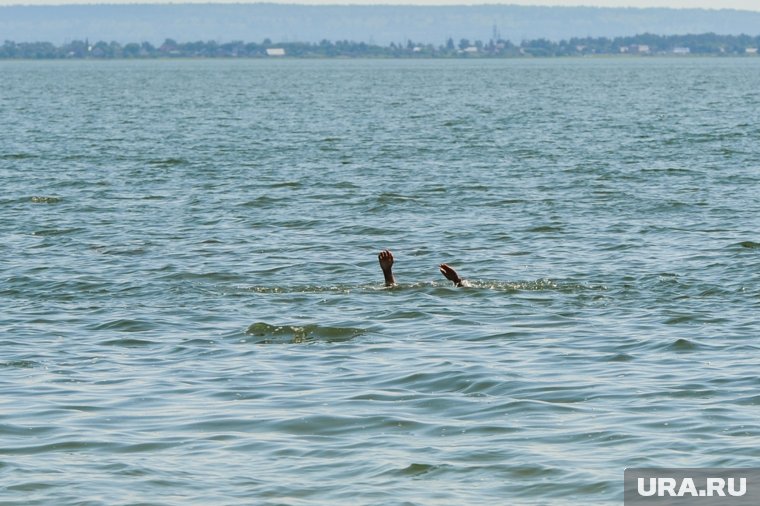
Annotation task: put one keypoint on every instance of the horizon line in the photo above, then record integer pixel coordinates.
(354, 3)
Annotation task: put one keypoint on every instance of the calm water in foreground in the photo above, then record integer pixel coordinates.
(193, 313)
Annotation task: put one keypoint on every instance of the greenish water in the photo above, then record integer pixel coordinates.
(193, 313)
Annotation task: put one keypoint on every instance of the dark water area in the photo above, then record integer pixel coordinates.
(193, 311)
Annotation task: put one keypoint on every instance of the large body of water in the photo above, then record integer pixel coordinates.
(193, 312)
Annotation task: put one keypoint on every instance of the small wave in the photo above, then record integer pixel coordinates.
(543, 229)
(620, 357)
(669, 170)
(435, 287)
(292, 334)
(680, 319)
(167, 162)
(54, 231)
(69, 446)
(415, 470)
(119, 250)
(45, 199)
(263, 201)
(124, 325)
(128, 343)
(508, 202)
(309, 288)
(752, 400)
(454, 122)
(348, 185)
(17, 156)
(538, 285)
(390, 198)
(364, 230)
(210, 277)
(20, 364)
(287, 184)
(683, 345)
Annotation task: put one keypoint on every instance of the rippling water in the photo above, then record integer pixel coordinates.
(193, 312)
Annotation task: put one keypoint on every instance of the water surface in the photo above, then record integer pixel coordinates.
(193, 311)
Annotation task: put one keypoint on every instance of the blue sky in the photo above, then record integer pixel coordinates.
(704, 4)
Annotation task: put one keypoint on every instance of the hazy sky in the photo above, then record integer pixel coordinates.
(704, 4)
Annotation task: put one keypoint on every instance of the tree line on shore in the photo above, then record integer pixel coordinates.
(645, 44)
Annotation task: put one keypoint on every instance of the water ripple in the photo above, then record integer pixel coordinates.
(193, 311)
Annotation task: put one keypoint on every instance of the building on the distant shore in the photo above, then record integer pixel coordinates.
(275, 51)
(751, 50)
(635, 49)
(681, 50)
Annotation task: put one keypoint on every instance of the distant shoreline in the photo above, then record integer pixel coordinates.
(378, 58)
(376, 25)
(643, 46)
